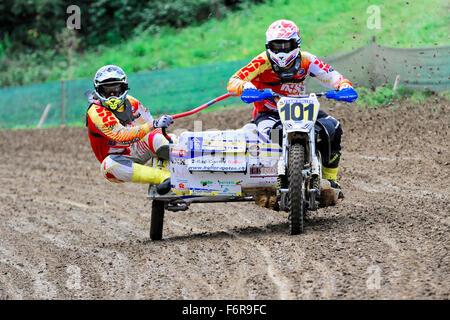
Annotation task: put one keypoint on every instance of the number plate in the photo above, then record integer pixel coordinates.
(298, 109)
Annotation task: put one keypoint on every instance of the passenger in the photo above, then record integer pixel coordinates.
(123, 133)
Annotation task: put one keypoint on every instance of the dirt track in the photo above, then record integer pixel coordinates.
(67, 233)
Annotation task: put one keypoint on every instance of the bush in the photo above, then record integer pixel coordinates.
(35, 24)
(34, 32)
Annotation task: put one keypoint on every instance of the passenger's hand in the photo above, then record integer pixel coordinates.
(163, 122)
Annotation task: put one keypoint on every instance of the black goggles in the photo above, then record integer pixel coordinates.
(285, 46)
(112, 89)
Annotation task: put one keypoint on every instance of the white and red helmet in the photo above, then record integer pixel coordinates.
(283, 42)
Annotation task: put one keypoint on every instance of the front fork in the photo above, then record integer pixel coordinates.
(311, 173)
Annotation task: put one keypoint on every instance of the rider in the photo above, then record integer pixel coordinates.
(283, 68)
(123, 133)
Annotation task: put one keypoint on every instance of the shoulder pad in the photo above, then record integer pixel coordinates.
(306, 55)
(134, 102)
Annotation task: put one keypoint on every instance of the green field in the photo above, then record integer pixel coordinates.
(326, 26)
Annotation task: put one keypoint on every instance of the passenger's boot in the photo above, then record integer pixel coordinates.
(150, 175)
(163, 187)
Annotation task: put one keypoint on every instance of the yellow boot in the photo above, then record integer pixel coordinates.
(158, 177)
(330, 174)
(145, 174)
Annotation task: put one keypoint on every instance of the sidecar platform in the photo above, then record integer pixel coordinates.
(180, 203)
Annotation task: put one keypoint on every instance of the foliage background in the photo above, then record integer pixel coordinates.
(36, 47)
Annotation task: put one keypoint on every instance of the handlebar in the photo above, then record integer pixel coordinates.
(253, 95)
(190, 112)
(318, 94)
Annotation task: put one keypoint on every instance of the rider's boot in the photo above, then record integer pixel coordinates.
(267, 199)
(330, 190)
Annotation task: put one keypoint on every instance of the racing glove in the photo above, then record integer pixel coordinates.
(248, 85)
(163, 122)
(344, 84)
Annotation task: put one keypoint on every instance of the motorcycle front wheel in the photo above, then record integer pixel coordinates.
(296, 196)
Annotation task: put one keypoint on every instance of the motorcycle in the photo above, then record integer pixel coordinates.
(240, 165)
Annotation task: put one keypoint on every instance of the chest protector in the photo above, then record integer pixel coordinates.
(125, 117)
(286, 75)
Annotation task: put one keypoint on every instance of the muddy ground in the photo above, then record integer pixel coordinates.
(67, 233)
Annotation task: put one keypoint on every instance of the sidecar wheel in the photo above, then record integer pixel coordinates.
(296, 197)
(157, 221)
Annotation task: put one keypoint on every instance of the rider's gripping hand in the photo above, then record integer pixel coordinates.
(163, 122)
(344, 85)
(248, 85)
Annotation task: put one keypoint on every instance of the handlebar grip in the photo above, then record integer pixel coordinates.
(253, 95)
(166, 135)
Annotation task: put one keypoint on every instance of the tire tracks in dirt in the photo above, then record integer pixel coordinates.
(69, 234)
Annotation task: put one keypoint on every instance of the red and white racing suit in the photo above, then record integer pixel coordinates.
(261, 74)
(124, 148)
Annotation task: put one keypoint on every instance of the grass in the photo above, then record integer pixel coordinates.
(326, 26)
(385, 95)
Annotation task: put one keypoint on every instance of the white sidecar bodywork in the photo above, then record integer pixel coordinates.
(217, 166)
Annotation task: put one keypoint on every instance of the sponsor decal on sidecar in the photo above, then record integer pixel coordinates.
(205, 183)
(208, 192)
(230, 183)
(178, 153)
(195, 143)
(264, 171)
(218, 162)
(217, 142)
(217, 167)
(179, 161)
(181, 185)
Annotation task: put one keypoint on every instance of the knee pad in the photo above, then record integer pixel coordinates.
(331, 124)
(334, 130)
(156, 140)
(163, 152)
(116, 168)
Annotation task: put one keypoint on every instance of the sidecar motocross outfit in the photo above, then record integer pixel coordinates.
(122, 141)
(260, 72)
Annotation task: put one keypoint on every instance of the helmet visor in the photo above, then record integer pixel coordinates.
(112, 90)
(286, 46)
